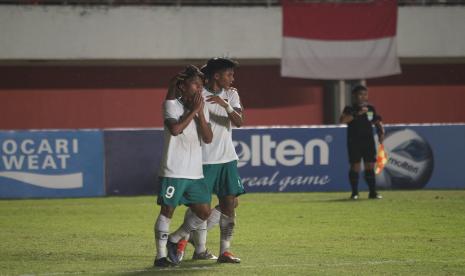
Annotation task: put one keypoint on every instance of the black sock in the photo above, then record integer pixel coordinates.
(371, 181)
(353, 178)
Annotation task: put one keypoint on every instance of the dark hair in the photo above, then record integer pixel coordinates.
(189, 72)
(215, 65)
(358, 88)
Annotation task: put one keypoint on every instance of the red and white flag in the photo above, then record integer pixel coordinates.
(339, 40)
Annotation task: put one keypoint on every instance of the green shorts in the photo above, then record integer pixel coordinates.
(223, 179)
(179, 191)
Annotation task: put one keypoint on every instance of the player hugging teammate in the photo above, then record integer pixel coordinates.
(212, 110)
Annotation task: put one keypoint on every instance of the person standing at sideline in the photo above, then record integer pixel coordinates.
(360, 117)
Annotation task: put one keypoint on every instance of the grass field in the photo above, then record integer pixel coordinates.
(406, 233)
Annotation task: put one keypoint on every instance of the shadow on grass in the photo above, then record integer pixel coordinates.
(339, 200)
(186, 267)
(349, 200)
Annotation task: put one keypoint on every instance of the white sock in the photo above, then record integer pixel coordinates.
(191, 222)
(162, 230)
(200, 238)
(227, 228)
(214, 218)
(190, 235)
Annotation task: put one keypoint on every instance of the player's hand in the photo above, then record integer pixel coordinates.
(202, 104)
(217, 100)
(198, 103)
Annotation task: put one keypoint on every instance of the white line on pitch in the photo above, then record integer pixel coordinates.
(197, 268)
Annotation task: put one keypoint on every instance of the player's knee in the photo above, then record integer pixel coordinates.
(167, 211)
(369, 173)
(203, 213)
(227, 205)
(355, 168)
(353, 175)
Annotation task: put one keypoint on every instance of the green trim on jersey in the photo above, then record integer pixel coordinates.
(182, 191)
(223, 179)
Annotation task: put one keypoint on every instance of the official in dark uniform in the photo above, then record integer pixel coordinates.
(360, 118)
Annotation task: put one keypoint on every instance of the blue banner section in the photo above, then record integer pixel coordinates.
(428, 157)
(51, 164)
(315, 159)
(132, 160)
(292, 159)
(71, 163)
(300, 159)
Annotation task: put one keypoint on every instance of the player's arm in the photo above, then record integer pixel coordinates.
(176, 127)
(377, 121)
(172, 92)
(234, 114)
(237, 116)
(345, 118)
(205, 129)
(347, 115)
(379, 130)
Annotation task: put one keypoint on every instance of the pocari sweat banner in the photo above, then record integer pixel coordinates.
(51, 164)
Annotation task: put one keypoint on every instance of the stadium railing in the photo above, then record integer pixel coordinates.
(266, 3)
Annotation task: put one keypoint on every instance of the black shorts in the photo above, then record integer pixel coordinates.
(362, 149)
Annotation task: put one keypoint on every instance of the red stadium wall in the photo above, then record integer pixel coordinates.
(432, 93)
(270, 99)
(422, 105)
(66, 97)
(79, 108)
(71, 97)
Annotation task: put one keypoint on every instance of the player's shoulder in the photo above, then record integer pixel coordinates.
(173, 105)
(170, 102)
(371, 107)
(231, 91)
(348, 109)
(205, 92)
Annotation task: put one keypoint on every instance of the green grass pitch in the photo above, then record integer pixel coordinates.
(406, 233)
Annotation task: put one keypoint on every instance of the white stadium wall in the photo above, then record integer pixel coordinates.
(138, 32)
(136, 50)
(173, 33)
(431, 32)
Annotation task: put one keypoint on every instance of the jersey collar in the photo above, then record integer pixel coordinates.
(211, 92)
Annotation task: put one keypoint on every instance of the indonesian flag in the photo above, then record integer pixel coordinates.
(339, 40)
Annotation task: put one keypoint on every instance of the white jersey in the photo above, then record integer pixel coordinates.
(221, 149)
(182, 154)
